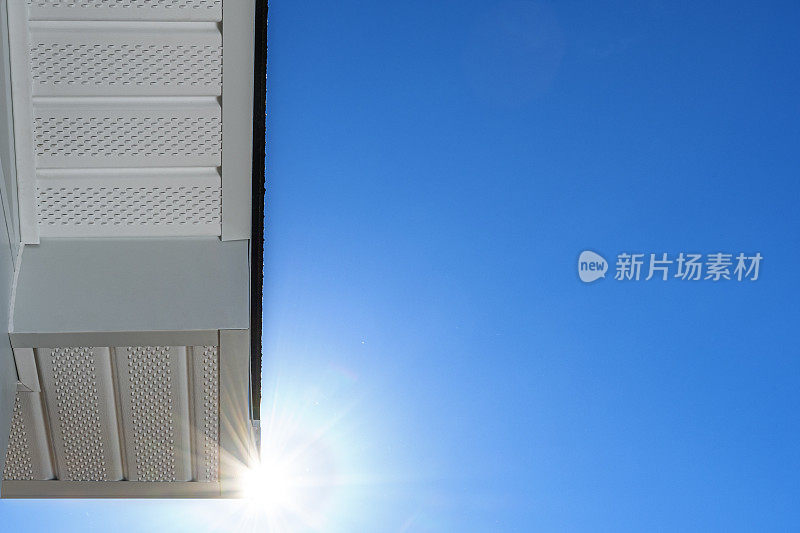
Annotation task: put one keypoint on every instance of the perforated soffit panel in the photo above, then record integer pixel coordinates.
(118, 116)
(109, 414)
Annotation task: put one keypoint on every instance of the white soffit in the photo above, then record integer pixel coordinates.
(145, 413)
(126, 9)
(118, 117)
(128, 421)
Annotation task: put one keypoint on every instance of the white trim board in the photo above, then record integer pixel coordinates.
(115, 338)
(238, 56)
(130, 285)
(109, 489)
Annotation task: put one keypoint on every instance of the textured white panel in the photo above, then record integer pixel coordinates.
(127, 206)
(126, 9)
(113, 202)
(126, 59)
(134, 134)
(155, 413)
(19, 459)
(205, 377)
(28, 455)
(131, 84)
(79, 390)
(166, 398)
(137, 413)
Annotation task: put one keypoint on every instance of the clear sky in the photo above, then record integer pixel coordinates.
(434, 171)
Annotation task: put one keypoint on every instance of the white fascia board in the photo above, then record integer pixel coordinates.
(8, 372)
(115, 338)
(8, 167)
(19, 44)
(109, 489)
(132, 285)
(238, 56)
(239, 451)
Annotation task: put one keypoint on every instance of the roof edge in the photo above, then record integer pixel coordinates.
(259, 193)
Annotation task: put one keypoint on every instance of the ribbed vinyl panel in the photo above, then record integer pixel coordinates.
(134, 413)
(127, 87)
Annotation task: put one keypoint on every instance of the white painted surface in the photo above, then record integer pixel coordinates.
(117, 10)
(8, 168)
(118, 489)
(89, 58)
(129, 285)
(8, 373)
(80, 398)
(19, 41)
(122, 132)
(124, 413)
(115, 338)
(135, 202)
(130, 132)
(26, 369)
(123, 87)
(173, 416)
(154, 393)
(237, 102)
(237, 448)
(29, 453)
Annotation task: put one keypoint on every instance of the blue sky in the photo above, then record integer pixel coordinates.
(434, 171)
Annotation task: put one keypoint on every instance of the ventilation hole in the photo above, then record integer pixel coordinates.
(152, 412)
(128, 206)
(111, 137)
(210, 424)
(19, 462)
(126, 65)
(126, 4)
(78, 411)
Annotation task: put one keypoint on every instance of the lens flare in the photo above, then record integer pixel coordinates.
(312, 466)
(276, 485)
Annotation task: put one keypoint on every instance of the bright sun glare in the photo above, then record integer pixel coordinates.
(272, 486)
(305, 474)
(292, 485)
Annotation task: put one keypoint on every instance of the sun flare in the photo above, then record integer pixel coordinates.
(271, 485)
